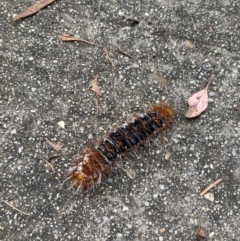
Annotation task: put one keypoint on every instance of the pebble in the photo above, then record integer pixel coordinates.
(129, 226)
(146, 203)
(211, 234)
(167, 156)
(135, 66)
(209, 196)
(125, 208)
(13, 131)
(162, 230)
(189, 44)
(61, 124)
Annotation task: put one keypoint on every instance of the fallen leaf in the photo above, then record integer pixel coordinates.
(198, 102)
(56, 147)
(33, 9)
(67, 37)
(94, 86)
(201, 234)
(237, 108)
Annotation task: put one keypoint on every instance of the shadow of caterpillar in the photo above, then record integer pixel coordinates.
(94, 164)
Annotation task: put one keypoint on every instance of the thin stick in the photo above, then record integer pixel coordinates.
(108, 57)
(209, 82)
(68, 37)
(122, 52)
(85, 41)
(15, 208)
(198, 46)
(211, 186)
(96, 102)
(47, 162)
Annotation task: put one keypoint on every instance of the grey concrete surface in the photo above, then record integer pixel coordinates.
(44, 81)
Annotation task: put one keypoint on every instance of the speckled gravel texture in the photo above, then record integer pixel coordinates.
(176, 46)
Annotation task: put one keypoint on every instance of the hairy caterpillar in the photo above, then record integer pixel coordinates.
(95, 163)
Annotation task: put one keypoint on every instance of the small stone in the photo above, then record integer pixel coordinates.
(82, 129)
(155, 195)
(135, 66)
(125, 208)
(146, 203)
(13, 131)
(189, 44)
(209, 196)
(162, 230)
(234, 152)
(61, 124)
(211, 234)
(129, 226)
(105, 219)
(167, 156)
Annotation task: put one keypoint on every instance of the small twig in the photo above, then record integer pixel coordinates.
(119, 50)
(96, 101)
(199, 47)
(47, 162)
(68, 37)
(126, 172)
(209, 82)
(108, 57)
(52, 157)
(211, 186)
(15, 208)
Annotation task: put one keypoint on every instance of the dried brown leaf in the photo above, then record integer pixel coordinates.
(68, 37)
(198, 102)
(201, 234)
(237, 108)
(56, 147)
(33, 9)
(94, 86)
